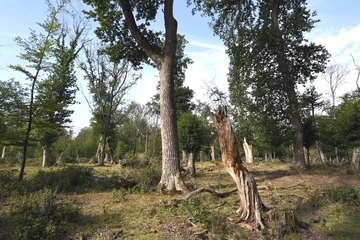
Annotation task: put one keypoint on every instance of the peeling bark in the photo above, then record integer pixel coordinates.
(250, 201)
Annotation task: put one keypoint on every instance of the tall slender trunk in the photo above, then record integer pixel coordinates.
(289, 87)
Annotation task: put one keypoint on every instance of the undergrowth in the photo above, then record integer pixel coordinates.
(39, 215)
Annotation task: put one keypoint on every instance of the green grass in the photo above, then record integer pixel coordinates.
(104, 209)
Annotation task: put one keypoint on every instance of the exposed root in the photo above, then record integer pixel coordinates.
(205, 189)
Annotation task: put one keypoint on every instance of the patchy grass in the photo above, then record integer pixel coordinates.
(325, 198)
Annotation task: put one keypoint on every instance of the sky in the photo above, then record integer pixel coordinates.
(338, 30)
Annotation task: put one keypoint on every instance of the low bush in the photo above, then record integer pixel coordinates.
(39, 216)
(68, 179)
(346, 194)
(214, 222)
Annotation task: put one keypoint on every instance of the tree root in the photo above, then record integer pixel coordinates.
(205, 189)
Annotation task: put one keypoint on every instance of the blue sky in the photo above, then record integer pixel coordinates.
(338, 30)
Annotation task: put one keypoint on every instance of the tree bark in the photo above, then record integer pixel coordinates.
(191, 164)
(249, 158)
(250, 201)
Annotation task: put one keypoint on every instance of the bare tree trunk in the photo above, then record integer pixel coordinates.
(320, 152)
(46, 155)
(183, 153)
(212, 154)
(249, 158)
(4, 152)
(250, 201)
(355, 158)
(191, 164)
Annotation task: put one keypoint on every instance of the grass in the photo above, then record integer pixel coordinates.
(106, 210)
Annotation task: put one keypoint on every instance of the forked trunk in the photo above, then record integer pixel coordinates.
(191, 163)
(250, 201)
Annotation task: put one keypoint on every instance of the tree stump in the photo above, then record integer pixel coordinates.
(250, 201)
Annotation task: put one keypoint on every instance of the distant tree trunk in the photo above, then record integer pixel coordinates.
(191, 163)
(183, 153)
(307, 150)
(212, 153)
(355, 158)
(4, 152)
(46, 155)
(250, 201)
(321, 154)
(248, 152)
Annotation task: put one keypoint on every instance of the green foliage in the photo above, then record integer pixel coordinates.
(9, 183)
(147, 177)
(191, 132)
(68, 179)
(344, 195)
(38, 215)
(196, 209)
(317, 199)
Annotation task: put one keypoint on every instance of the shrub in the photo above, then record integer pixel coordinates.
(147, 177)
(211, 220)
(344, 195)
(69, 179)
(38, 216)
(8, 183)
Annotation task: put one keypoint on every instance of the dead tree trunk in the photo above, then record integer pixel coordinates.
(250, 201)
(355, 158)
(248, 152)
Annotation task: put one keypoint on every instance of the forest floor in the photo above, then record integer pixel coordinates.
(325, 200)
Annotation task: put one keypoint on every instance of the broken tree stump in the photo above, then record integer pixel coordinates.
(250, 201)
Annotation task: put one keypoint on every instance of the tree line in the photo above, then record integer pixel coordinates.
(275, 108)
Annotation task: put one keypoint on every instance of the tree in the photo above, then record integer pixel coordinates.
(36, 51)
(270, 34)
(57, 92)
(108, 82)
(183, 94)
(335, 75)
(13, 110)
(347, 125)
(191, 137)
(125, 25)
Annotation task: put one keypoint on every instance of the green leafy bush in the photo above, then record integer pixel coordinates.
(69, 179)
(147, 177)
(9, 183)
(344, 195)
(211, 220)
(38, 216)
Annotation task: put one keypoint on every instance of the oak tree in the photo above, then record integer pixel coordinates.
(126, 26)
